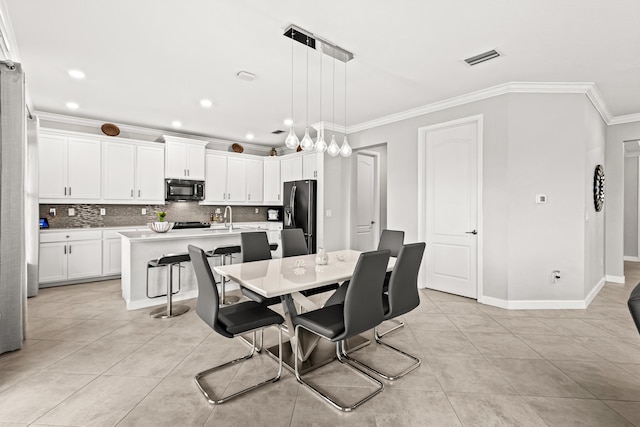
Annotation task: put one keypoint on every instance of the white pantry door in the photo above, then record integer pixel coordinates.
(452, 209)
(366, 202)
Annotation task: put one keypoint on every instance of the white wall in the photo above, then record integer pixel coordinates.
(631, 207)
(336, 190)
(614, 196)
(532, 144)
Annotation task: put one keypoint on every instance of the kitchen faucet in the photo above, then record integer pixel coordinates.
(228, 208)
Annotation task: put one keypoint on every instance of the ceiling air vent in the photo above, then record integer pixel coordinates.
(277, 132)
(474, 60)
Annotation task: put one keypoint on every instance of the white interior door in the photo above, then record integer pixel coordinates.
(452, 209)
(366, 217)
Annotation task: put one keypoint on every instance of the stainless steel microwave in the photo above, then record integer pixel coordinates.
(182, 189)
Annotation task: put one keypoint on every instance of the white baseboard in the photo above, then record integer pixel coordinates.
(632, 258)
(594, 292)
(615, 279)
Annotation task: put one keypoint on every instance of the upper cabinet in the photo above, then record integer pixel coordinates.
(132, 172)
(184, 158)
(255, 180)
(310, 166)
(272, 182)
(291, 169)
(231, 179)
(69, 168)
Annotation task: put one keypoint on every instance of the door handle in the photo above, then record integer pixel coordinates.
(471, 232)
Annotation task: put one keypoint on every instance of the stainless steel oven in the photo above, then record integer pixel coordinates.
(182, 189)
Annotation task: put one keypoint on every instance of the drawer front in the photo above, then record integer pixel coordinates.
(70, 236)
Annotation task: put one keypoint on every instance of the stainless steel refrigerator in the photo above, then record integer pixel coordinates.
(300, 209)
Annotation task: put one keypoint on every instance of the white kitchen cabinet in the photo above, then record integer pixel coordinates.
(69, 168)
(184, 159)
(236, 180)
(118, 170)
(272, 182)
(215, 186)
(255, 179)
(291, 169)
(149, 174)
(310, 166)
(132, 173)
(70, 255)
(111, 256)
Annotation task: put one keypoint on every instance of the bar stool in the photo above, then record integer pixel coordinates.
(168, 261)
(223, 252)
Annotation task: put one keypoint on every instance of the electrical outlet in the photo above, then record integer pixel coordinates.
(257, 210)
(52, 212)
(72, 212)
(103, 211)
(144, 211)
(555, 276)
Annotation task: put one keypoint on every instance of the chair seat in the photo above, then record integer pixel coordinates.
(259, 298)
(223, 250)
(247, 316)
(327, 321)
(169, 259)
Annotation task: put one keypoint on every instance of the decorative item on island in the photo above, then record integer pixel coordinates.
(161, 226)
(321, 257)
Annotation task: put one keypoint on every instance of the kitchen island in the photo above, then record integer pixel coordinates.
(140, 247)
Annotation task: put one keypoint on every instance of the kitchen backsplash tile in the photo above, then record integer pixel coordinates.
(130, 215)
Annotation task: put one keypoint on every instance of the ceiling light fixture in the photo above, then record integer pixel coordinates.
(72, 105)
(77, 74)
(345, 150)
(292, 141)
(333, 149)
(250, 136)
(307, 143)
(206, 103)
(176, 124)
(312, 41)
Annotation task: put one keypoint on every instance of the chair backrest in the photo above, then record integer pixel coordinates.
(403, 284)
(634, 305)
(255, 246)
(392, 240)
(293, 242)
(363, 300)
(207, 303)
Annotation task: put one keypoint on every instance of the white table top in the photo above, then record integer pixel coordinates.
(277, 277)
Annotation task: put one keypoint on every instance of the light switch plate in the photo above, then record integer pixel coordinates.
(257, 210)
(103, 211)
(144, 211)
(52, 212)
(72, 212)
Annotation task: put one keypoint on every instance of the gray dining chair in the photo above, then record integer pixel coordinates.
(634, 305)
(294, 244)
(401, 298)
(255, 247)
(230, 321)
(361, 311)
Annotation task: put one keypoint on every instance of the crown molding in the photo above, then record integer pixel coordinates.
(629, 118)
(590, 89)
(329, 126)
(212, 143)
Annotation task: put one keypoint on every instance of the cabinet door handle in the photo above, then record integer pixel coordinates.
(65, 191)
(69, 248)
(278, 197)
(69, 190)
(229, 196)
(224, 196)
(184, 172)
(138, 193)
(188, 172)
(65, 249)
(249, 196)
(131, 193)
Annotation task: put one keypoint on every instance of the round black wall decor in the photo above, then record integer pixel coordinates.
(598, 188)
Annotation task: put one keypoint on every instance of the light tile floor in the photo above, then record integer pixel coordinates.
(88, 361)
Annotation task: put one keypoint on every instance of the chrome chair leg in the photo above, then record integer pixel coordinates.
(253, 345)
(326, 397)
(209, 396)
(400, 324)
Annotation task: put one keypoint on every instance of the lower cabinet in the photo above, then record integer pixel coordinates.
(70, 255)
(111, 257)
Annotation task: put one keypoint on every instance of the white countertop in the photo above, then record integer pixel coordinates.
(189, 233)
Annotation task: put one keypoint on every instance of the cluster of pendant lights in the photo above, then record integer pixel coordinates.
(320, 145)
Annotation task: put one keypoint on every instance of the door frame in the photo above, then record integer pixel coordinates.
(422, 186)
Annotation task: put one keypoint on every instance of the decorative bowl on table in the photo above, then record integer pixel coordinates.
(161, 227)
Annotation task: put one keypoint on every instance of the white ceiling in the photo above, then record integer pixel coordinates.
(149, 62)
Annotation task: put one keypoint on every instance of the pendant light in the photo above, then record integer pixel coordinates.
(321, 144)
(307, 143)
(333, 149)
(345, 150)
(292, 140)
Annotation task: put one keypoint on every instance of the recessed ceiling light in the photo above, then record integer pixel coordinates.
(206, 103)
(249, 136)
(176, 124)
(72, 105)
(288, 122)
(77, 74)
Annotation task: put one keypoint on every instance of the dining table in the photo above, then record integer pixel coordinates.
(287, 278)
